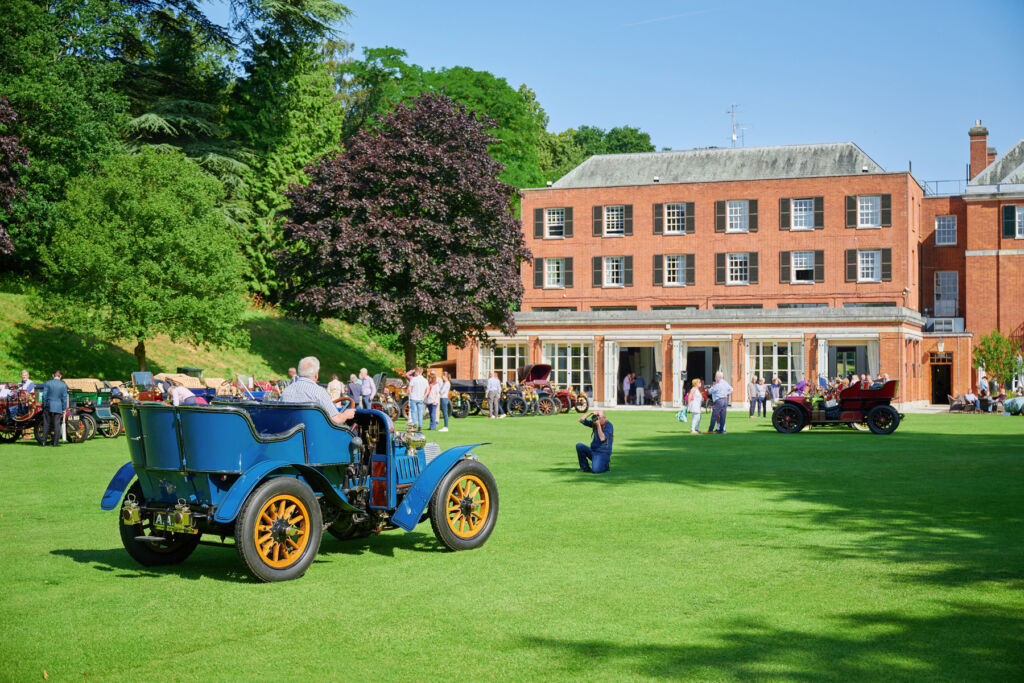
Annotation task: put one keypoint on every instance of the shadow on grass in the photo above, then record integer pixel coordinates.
(221, 564)
(970, 642)
(948, 507)
(281, 342)
(45, 349)
(382, 544)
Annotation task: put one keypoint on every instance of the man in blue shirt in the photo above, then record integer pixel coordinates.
(306, 390)
(597, 456)
(720, 392)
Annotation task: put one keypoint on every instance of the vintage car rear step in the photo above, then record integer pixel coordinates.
(150, 539)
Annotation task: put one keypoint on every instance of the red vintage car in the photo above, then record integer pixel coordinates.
(859, 404)
(537, 377)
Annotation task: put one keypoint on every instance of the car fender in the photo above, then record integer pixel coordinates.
(245, 484)
(117, 486)
(407, 516)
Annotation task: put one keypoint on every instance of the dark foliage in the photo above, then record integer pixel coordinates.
(12, 156)
(409, 229)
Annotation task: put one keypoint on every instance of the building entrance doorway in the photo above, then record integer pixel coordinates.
(639, 360)
(701, 362)
(941, 383)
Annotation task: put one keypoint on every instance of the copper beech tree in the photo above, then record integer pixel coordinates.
(12, 156)
(408, 230)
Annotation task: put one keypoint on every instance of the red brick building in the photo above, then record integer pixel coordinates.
(801, 261)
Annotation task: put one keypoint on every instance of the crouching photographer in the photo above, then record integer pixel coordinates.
(597, 456)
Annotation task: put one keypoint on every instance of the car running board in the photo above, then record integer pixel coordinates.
(150, 539)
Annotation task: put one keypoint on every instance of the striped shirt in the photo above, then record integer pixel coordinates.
(305, 390)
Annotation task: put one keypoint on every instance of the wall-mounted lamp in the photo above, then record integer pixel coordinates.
(941, 346)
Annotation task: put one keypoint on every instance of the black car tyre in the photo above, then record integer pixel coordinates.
(582, 404)
(460, 407)
(547, 406)
(111, 428)
(278, 530)
(77, 429)
(91, 425)
(787, 419)
(10, 436)
(174, 549)
(476, 407)
(883, 419)
(464, 506)
(515, 406)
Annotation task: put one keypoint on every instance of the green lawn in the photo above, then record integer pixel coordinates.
(823, 555)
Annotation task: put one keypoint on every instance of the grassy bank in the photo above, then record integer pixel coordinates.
(276, 343)
(827, 555)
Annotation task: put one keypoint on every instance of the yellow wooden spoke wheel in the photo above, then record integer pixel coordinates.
(467, 506)
(464, 506)
(282, 531)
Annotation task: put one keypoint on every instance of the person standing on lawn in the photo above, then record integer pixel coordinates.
(446, 403)
(334, 387)
(368, 389)
(417, 394)
(597, 456)
(493, 395)
(55, 402)
(433, 399)
(355, 388)
(762, 398)
(720, 392)
(752, 394)
(694, 403)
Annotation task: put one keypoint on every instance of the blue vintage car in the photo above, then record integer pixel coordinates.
(274, 476)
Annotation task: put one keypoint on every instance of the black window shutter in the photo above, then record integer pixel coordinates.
(719, 216)
(819, 213)
(658, 211)
(598, 220)
(627, 271)
(819, 266)
(538, 273)
(887, 265)
(598, 280)
(851, 265)
(784, 266)
(538, 224)
(752, 215)
(690, 280)
(689, 217)
(752, 267)
(627, 220)
(568, 272)
(659, 261)
(851, 211)
(784, 220)
(568, 221)
(1009, 222)
(886, 210)
(719, 269)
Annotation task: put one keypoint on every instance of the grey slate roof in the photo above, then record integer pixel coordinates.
(1006, 170)
(711, 165)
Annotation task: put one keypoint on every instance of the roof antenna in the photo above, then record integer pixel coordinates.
(732, 122)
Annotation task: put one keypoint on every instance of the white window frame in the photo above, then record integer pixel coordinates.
(1019, 232)
(551, 220)
(614, 225)
(802, 219)
(783, 359)
(876, 264)
(807, 256)
(678, 262)
(949, 292)
(740, 263)
(505, 359)
(737, 215)
(869, 211)
(613, 267)
(572, 365)
(554, 273)
(943, 226)
(675, 218)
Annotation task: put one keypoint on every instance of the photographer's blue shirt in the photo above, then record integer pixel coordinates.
(596, 445)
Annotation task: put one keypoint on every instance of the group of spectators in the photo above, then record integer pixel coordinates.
(429, 393)
(361, 389)
(992, 393)
(635, 389)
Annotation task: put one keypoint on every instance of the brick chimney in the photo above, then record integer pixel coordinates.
(991, 155)
(979, 148)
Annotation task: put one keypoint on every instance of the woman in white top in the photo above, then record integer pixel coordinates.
(446, 404)
(694, 401)
(433, 398)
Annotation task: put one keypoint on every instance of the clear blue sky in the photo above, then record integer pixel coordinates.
(904, 80)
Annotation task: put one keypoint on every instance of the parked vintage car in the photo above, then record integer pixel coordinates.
(539, 376)
(19, 414)
(274, 476)
(859, 404)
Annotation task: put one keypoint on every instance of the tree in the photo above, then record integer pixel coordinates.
(570, 148)
(142, 250)
(409, 230)
(12, 155)
(999, 355)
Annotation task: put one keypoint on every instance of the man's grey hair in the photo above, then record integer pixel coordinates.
(719, 375)
(309, 367)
